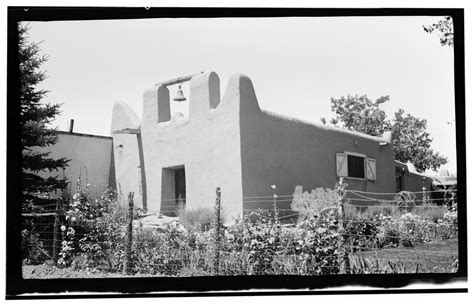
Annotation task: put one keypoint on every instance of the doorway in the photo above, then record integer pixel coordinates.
(173, 189)
(180, 185)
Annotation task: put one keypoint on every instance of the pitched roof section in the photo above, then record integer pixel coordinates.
(123, 117)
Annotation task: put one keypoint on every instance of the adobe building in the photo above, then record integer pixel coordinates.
(91, 160)
(229, 142)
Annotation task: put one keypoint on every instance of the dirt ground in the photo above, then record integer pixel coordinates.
(51, 272)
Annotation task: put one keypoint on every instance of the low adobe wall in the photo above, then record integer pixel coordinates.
(91, 160)
(414, 181)
(128, 155)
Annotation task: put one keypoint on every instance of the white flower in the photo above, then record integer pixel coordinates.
(73, 219)
(63, 228)
(321, 230)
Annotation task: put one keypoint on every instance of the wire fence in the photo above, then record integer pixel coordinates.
(358, 233)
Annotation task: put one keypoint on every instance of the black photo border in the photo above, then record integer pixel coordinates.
(16, 286)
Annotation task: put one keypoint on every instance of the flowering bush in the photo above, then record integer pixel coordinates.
(407, 230)
(91, 229)
(447, 228)
(261, 238)
(262, 246)
(414, 230)
(67, 246)
(317, 245)
(84, 210)
(256, 244)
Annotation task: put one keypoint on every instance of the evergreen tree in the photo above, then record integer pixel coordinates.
(36, 132)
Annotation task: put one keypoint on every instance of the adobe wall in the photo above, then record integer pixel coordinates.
(128, 171)
(414, 181)
(207, 143)
(286, 152)
(90, 157)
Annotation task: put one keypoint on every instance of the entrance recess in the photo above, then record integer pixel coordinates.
(173, 189)
(180, 185)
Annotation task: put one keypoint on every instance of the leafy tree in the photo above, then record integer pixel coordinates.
(35, 118)
(358, 113)
(445, 30)
(411, 142)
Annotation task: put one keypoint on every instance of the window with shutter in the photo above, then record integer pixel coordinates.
(341, 164)
(355, 166)
(370, 168)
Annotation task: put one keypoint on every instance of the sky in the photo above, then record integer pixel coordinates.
(296, 65)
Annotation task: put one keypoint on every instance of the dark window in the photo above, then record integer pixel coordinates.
(398, 180)
(355, 166)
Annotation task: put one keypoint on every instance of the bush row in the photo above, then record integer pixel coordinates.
(93, 237)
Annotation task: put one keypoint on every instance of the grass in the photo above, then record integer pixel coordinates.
(434, 257)
(198, 219)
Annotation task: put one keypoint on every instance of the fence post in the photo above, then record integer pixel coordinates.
(341, 249)
(218, 231)
(56, 233)
(128, 245)
(275, 209)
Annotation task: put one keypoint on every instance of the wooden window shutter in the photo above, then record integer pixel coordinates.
(370, 169)
(341, 164)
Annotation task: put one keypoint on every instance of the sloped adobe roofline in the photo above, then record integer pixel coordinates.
(86, 135)
(325, 127)
(201, 81)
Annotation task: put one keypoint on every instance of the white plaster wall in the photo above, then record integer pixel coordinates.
(127, 154)
(123, 117)
(90, 159)
(207, 143)
(127, 170)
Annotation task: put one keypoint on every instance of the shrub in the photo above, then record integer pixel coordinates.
(199, 219)
(309, 205)
(160, 253)
(389, 232)
(260, 246)
(407, 231)
(318, 246)
(32, 248)
(447, 228)
(430, 212)
(361, 233)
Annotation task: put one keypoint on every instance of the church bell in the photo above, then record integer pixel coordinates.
(179, 95)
